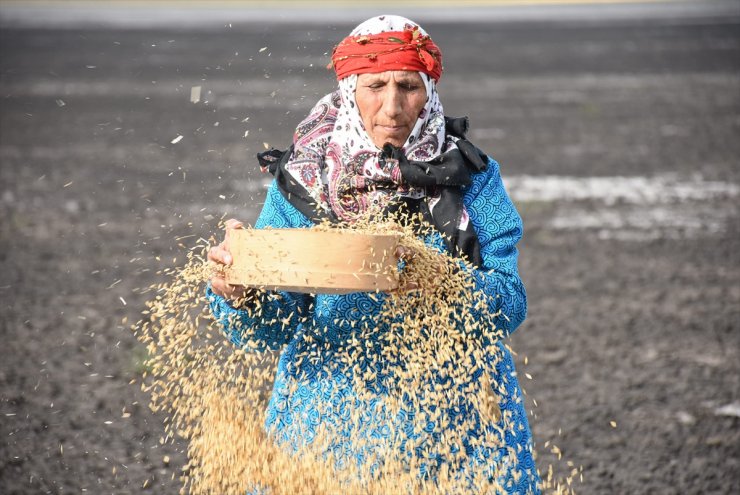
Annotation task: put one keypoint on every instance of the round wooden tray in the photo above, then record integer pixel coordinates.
(313, 261)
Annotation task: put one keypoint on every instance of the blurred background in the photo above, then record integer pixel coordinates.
(129, 129)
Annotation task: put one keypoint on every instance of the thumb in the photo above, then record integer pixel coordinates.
(233, 223)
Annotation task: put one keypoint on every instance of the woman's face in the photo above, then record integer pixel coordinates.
(389, 104)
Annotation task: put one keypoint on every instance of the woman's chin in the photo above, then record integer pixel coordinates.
(395, 141)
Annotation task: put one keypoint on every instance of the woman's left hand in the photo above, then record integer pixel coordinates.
(435, 268)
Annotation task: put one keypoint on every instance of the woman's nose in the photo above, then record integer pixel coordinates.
(393, 102)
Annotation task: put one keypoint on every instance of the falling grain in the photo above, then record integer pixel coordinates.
(424, 345)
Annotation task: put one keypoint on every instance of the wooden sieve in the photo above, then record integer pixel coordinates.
(313, 261)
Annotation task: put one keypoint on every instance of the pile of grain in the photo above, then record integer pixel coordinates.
(214, 394)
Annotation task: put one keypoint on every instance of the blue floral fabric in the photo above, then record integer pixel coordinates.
(326, 320)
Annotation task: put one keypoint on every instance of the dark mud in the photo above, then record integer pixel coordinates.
(634, 303)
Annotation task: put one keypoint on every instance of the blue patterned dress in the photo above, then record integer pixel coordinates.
(292, 418)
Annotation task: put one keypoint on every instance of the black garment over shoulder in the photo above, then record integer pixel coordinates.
(445, 175)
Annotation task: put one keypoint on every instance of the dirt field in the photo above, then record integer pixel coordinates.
(618, 141)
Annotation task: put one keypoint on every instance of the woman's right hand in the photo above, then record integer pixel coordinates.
(222, 256)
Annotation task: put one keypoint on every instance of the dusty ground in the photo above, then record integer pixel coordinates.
(634, 294)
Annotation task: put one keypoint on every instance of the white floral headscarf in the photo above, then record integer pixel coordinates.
(335, 159)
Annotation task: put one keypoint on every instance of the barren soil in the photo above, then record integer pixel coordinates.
(634, 304)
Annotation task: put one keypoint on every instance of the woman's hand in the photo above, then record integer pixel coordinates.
(433, 268)
(222, 256)
(406, 255)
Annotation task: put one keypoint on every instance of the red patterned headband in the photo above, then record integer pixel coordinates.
(393, 50)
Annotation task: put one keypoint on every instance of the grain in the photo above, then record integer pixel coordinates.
(428, 347)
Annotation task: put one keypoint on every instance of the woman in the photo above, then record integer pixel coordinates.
(381, 139)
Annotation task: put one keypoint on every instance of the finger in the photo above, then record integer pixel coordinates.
(400, 252)
(219, 254)
(218, 285)
(404, 253)
(226, 255)
(214, 254)
(226, 290)
(233, 223)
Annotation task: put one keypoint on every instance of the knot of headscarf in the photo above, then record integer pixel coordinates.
(446, 174)
(408, 50)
